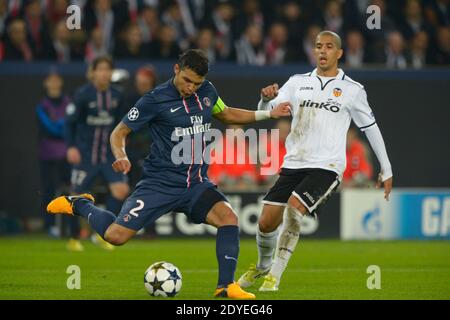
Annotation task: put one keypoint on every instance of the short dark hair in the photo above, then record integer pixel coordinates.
(196, 60)
(101, 59)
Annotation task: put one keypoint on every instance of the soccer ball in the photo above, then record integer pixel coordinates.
(162, 279)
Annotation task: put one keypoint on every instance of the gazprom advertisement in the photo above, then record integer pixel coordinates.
(409, 214)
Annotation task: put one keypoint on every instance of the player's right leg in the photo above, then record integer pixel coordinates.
(274, 202)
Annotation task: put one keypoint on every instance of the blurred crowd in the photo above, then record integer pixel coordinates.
(413, 33)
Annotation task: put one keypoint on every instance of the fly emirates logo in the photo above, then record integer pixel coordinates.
(197, 127)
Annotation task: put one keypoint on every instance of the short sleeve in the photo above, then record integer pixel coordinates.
(143, 112)
(361, 112)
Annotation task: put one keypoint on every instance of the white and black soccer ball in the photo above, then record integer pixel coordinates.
(162, 279)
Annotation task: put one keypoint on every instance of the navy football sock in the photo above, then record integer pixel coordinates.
(99, 219)
(227, 252)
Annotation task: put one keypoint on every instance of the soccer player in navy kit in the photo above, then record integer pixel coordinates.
(182, 107)
(96, 109)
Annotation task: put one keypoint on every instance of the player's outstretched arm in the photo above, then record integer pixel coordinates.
(375, 138)
(118, 141)
(231, 115)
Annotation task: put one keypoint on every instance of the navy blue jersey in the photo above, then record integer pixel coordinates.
(89, 122)
(172, 119)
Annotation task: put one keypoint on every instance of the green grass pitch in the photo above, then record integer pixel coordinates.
(35, 268)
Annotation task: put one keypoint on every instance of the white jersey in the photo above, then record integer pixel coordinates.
(322, 109)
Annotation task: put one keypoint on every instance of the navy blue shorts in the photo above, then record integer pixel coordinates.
(148, 202)
(83, 175)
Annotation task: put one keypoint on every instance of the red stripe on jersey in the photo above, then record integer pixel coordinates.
(201, 160)
(198, 101)
(185, 106)
(188, 180)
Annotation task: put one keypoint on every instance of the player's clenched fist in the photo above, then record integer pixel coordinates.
(282, 110)
(269, 92)
(122, 165)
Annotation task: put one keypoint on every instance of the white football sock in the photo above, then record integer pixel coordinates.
(287, 241)
(266, 243)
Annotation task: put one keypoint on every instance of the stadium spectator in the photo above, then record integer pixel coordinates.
(148, 22)
(16, 46)
(37, 29)
(130, 8)
(96, 46)
(395, 51)
(355, 55)
(221, 22)
(376, 38)
(54, 168)
(60, 50)
(442, 55)
(165, 47)
(413, 21)
(132, 47)
(56, 11)
(306, 54)
(193, 12)
(15, 8)
(437, 12)
(229, 20)
(419, 53)
(333, 19)
(100, 15)
(251, 14)
(276, 44)
(292, 16)
(250, 48)
(184, 29)
(3, 17)
(205, 42)
(78, 39)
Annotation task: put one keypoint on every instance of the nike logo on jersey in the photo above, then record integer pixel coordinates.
(173, 110)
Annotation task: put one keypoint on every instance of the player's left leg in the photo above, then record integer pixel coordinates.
(210, 206)
(225, 220)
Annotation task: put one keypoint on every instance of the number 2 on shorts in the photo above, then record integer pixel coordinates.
(133, 211)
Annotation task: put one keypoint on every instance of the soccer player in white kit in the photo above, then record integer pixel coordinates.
(323, 104)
